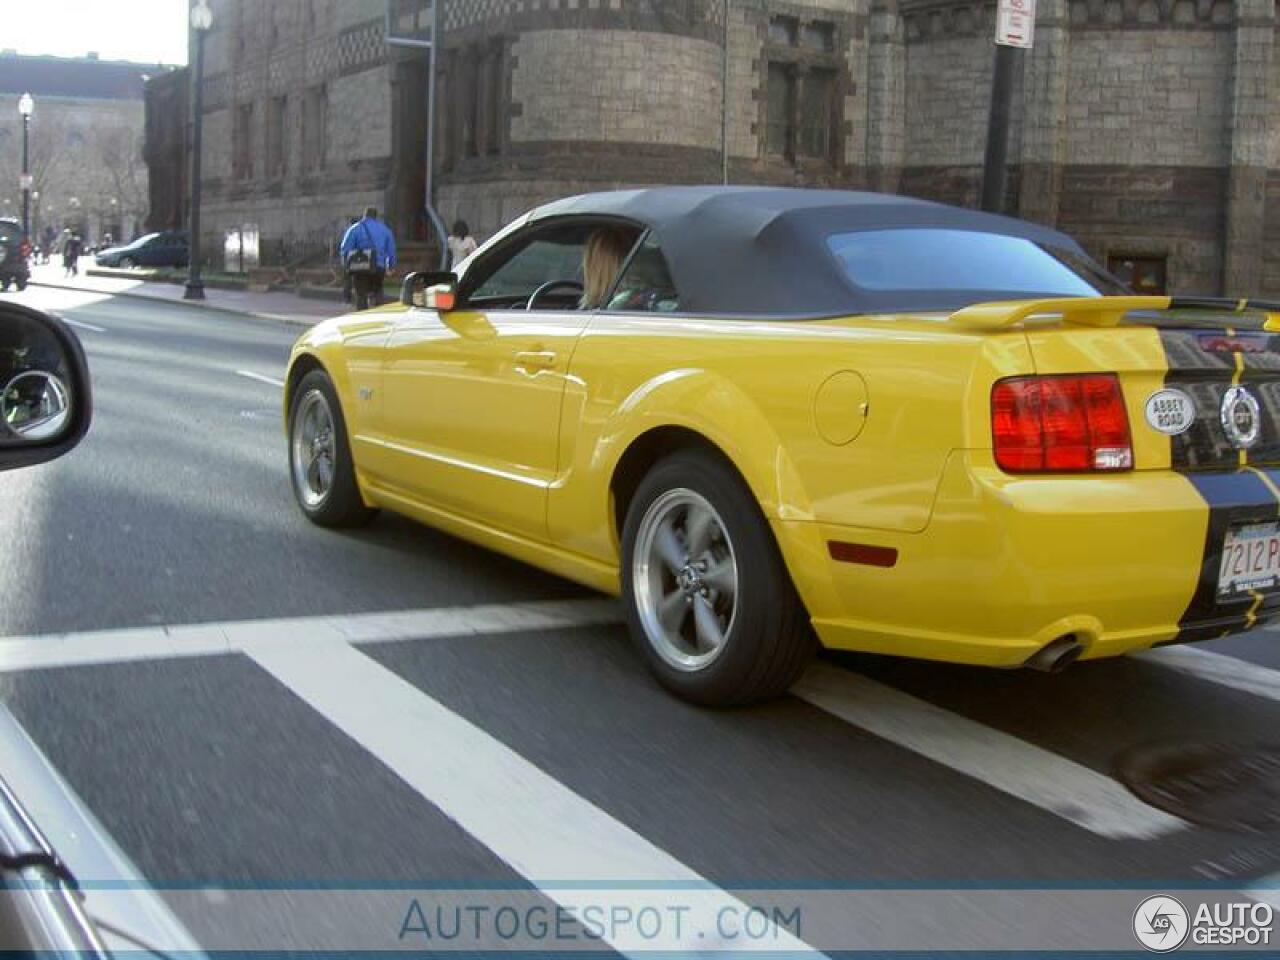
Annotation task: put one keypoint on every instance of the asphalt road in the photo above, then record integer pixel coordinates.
(517, 749)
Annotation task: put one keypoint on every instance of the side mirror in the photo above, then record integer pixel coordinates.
(429, 289)
(45, 399)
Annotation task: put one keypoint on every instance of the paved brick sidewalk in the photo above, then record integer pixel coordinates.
(283, 307)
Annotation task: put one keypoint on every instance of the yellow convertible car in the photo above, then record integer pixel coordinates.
(770, 418)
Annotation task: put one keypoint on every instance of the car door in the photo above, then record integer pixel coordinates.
(472, 396)
(146, 255)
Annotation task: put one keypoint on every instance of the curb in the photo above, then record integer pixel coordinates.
(189, 304)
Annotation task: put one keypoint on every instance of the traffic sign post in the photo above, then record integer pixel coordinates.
(1016, 23)
(1015, 32)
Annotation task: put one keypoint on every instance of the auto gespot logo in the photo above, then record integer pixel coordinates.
(1162, 924)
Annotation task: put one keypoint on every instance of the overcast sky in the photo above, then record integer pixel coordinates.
(147, 31)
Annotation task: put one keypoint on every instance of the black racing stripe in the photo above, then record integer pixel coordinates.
(1233, 498)
(1211, 464)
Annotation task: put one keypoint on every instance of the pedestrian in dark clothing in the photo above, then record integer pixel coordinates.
(346, 274)
(368, 251)
(71, 255)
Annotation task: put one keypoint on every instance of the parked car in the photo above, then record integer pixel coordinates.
(165, 249)
(15, 255)
(902, 427)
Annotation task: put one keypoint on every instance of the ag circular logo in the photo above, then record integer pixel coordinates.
(1161, 924)
(1171, 411)
(1241, 417)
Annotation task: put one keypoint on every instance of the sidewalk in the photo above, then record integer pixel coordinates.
(280, 307)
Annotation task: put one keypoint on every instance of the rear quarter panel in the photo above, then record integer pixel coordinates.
(752, 387)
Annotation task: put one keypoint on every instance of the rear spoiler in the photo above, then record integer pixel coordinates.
(1108, 311)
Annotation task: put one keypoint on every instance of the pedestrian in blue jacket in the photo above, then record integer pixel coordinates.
(368, 250)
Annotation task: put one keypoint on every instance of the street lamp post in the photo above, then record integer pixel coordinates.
(25, 107)
(201, 21)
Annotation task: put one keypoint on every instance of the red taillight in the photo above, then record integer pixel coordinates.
(1073, 424)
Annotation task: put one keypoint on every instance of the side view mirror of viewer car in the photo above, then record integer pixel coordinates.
(430, 289)
(45, 399)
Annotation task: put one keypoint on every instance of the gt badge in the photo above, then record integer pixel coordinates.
(1171, 411)
(1241, 417)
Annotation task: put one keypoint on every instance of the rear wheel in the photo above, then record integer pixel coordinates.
(709, 601)
(320, 464)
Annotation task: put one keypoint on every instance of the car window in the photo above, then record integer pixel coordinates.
(507, 274)
(543, 260)
(934, 259)
(646, 283)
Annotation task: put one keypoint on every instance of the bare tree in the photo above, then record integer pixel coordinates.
(119, 152)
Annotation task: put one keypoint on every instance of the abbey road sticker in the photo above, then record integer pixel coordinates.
(1171, 411)
(1161, 924)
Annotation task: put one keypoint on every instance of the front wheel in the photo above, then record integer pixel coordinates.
(709, 601)
(126, 263)
(320, 464)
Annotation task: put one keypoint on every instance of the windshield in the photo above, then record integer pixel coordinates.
(962, 260)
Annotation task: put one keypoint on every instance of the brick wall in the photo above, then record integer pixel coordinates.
(359, 121)
(1158, 96)
(615, 86)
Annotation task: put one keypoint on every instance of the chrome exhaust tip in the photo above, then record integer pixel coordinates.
(1056, 656)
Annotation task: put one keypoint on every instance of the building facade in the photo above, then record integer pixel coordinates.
(1150, 129)
(85, 143)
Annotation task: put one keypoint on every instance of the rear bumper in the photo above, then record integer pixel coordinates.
(1009, 564)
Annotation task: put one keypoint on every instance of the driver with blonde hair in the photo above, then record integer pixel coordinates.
(601, 259)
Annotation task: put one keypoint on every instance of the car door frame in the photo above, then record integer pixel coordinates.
(473, 482)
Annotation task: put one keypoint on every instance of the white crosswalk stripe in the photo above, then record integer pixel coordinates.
(534, 823)
(1051, 782)
(1014, 766)
(1217, 668)
(206, 639)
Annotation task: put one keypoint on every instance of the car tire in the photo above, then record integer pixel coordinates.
(321, 471)
(733, 585)
(126, 263)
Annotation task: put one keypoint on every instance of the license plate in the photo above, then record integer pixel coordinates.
(1250, 560)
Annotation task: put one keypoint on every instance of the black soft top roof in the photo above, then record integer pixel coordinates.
(763, 250)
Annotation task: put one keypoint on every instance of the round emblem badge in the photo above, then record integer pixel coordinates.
(1241, 418)
(1171, 411)
(1161, 924)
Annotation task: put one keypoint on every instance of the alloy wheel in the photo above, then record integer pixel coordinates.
(685, 577)
(312, 449)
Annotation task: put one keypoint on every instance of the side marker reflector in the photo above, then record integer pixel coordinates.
(862, 553)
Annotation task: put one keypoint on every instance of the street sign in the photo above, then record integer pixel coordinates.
(25, 181)
(1015, 22)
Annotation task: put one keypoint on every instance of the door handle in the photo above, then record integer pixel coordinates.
(536, 359)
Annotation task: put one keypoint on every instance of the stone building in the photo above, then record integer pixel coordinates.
(86, 140)
(1150, 129)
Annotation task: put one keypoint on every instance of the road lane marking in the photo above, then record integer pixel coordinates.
(1217, 668)
(1049, 781)
(45, 651)
(548, 834)
(80, 324)
(261, 378)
